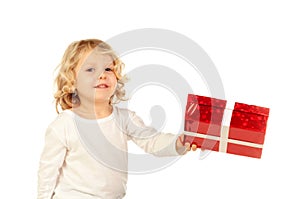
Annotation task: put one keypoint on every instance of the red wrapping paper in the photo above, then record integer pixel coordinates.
(204, 116)
(245, 135)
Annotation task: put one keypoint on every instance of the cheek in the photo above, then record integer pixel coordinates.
(84, 81)
(114, 82)
(113, 78)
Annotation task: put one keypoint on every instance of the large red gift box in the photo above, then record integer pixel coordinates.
(210, 125)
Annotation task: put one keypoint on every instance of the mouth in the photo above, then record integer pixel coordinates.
(101, 86)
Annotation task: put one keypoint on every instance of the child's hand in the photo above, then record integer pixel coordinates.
(184, 148)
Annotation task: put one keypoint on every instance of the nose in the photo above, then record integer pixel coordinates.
(102, 75)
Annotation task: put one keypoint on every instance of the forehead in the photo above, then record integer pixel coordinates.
(97, 57)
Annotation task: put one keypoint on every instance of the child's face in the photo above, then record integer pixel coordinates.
(96, 81)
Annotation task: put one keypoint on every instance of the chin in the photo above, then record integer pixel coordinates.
(102, 100)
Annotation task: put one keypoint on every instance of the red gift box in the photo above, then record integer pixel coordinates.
(206, 126)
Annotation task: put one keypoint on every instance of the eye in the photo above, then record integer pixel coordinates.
(108, 69)
(90, 70)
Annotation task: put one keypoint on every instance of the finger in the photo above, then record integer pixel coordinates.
(181, 139)
(187, 146)
(194, 147)
(179, 142)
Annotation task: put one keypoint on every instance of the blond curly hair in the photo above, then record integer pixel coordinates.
(65, 91)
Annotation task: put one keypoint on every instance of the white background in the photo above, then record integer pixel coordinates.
(255, 46)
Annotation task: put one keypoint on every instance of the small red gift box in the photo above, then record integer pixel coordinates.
(206, 126)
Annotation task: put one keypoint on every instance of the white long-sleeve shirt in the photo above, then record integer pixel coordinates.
(87, 159)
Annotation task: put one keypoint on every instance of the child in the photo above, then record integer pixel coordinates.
(85, 152)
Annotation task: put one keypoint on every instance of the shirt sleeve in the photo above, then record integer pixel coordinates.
(51, 161)
(149, 139)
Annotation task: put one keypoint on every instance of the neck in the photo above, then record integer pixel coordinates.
(96, 111)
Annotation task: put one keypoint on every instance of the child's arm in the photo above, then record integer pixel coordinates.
(154, 142)
(51, 161)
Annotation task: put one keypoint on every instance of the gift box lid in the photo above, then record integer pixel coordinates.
(251, 109)
(206, 101)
